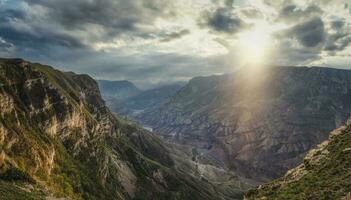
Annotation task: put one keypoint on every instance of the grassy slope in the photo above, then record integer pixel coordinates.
(325, 173)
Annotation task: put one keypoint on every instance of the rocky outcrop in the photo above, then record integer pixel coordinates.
(260, 122)
(58, 140)
(324, 173)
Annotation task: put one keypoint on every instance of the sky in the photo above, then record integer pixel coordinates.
(155, 42)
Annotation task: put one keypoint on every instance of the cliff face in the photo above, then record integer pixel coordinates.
(324, 174)
(57, 138)
(260, 123)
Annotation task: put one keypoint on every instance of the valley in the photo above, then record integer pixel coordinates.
(257, 126)
(216, 137)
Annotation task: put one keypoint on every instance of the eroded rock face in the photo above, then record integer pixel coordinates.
(259, 123)
(58, 138)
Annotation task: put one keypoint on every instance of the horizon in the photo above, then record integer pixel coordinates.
(159, 85)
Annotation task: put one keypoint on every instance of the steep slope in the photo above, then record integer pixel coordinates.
(57, 138)
(117, 89)
(324, 174)
(258, 121)
(145, 100)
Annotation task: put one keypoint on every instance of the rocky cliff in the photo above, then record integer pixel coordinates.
(257, 121)
(324, 174)
(58, 139)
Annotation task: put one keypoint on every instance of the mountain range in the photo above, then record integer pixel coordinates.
(59, 140)
(216, 137)
(260, 122)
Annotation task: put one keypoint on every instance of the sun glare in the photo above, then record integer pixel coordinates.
(255, 46)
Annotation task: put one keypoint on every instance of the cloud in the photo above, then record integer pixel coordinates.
(339, 37)
(290, 54)
(337, 42)
(155, 41)
(115, 14)
(292, 13)
(309, 33)
(80, 23)
(223, 20)
(175, 35)
(251, 13)
(146, 70)
(337, 24)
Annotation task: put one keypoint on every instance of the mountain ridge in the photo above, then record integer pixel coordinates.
(58, 139)
(242, 118)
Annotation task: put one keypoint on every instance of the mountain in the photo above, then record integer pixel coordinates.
(261, 121)
(117, 89)
(324, 174)
(59, 140)
(145, 100)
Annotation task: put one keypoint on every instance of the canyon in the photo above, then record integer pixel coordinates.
(259, 122)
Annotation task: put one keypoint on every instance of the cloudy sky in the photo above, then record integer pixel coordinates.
(153, 42)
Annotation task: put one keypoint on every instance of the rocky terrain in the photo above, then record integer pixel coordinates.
(59, 140)
(260, 122)
(324, 174)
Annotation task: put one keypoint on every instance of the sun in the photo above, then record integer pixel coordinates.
(255, 45)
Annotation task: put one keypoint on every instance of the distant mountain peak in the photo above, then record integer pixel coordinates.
(118, 89)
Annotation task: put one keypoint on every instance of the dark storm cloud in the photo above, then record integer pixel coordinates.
(60, 33)
(8, 15)
(37, 37)
(309, 33)
(291, 13)
(38, 24)
(175, 35)
(114, 16)
(312, 28)
(340, 38)
(337, 42)
(337, 24)
(22, 30)
(223, 20)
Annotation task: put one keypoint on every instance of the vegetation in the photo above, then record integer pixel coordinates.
(18, 191)
(325, 173)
